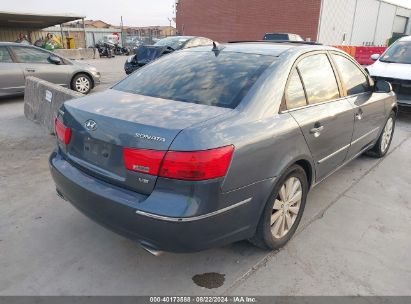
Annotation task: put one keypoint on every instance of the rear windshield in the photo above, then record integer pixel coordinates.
(199, 77)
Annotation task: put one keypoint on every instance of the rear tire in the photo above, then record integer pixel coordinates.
(81, 83)
(384, 141)
(283, 210)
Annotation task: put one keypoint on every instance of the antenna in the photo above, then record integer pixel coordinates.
(217, 48)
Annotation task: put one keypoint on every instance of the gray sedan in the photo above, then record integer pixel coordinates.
(18, 61)
(208, 146)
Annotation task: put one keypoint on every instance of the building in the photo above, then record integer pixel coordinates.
(335, 22)
(99, 24)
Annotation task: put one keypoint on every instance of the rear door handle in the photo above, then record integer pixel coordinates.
(30, 70)
(316, 131)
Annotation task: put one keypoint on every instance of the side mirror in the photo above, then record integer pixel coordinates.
(54, 59)
(375, 57)
(382, 86)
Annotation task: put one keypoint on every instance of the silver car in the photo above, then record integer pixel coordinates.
(18, 61)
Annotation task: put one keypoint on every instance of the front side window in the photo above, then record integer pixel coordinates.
(5, 55)
(319, 79)
(355, 82)
(199, 77)
(30, 55)
(294, 94)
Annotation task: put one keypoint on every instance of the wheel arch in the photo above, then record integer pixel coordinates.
(304, 162)
(309, 170)
(395, 109)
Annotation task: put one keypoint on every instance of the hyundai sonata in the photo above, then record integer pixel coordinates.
(212, 145)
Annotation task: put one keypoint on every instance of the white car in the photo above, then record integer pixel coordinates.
(394, 66)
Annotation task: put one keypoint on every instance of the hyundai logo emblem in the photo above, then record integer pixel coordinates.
(90, 125)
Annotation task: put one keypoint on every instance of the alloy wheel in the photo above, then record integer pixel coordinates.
(387, 134)
(286, 207)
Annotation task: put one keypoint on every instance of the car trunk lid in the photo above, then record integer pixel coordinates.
(103, 124)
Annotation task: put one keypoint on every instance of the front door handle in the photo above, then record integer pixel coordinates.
(30, 70)
(359, 114)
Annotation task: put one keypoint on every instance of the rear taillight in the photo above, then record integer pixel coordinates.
(197, 165)
(191, 165)
(63, 133)
(144, 161)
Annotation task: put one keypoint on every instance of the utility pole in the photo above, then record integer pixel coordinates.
(169, 29)
(84, 32)
(122, 36)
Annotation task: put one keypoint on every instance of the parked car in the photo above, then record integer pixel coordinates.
(282, 37)
(145, 54)
(19, 61)
(394, 66)
(209, 146)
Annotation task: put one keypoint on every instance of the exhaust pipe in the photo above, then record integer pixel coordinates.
(151, 250)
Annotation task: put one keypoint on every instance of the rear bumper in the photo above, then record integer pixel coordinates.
(117, 209)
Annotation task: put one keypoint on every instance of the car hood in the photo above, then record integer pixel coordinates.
(390, 70)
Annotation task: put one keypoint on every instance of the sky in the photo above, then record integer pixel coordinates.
(134, 12)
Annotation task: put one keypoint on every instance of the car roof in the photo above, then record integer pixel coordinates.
(406, 38)
(264, 48)
(12, 43)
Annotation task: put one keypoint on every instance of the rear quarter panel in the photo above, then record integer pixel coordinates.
(264, 148)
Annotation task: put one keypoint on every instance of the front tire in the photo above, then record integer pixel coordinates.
(384, 141)
(283, 210)
(81, 83)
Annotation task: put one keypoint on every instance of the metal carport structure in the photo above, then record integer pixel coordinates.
(30, 24)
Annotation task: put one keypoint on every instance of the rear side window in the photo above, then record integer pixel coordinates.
(198, 77)
(319, 79)
(30, 55)
(294, 94)
(355, 82)
(5, 55)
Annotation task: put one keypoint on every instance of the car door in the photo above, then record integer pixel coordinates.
(11, 74)
(369, 110)
(325, 118)
(35, 62)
